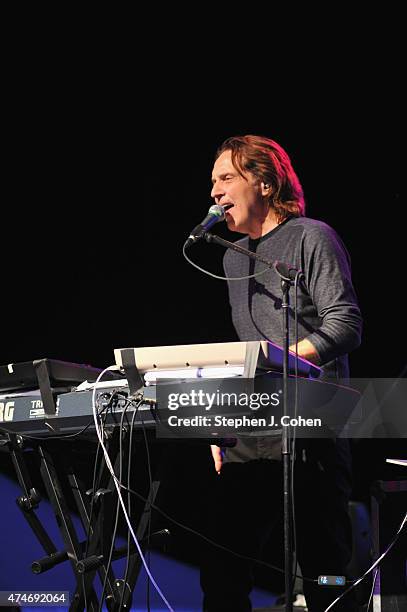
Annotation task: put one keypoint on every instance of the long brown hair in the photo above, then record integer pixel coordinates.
(268, 162)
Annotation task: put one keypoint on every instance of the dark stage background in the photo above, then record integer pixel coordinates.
(100, 209)
(96, 220)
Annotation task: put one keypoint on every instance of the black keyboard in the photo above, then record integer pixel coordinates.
(25, 413)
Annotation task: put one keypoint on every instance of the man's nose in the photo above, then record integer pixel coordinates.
(216, 191)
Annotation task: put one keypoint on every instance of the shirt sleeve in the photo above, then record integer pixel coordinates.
(326, 265)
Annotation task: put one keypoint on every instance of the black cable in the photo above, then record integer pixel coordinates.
(149, 510)
(126, 573)
(90, 518)
(109, 562)
(353, 583)
(95, 485)
(208, 540)
(92, 503)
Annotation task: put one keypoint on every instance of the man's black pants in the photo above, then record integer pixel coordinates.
(247, 507)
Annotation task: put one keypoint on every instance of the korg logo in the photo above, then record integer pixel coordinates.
(6, 411)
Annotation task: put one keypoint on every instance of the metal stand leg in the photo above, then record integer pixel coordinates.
(89, 557)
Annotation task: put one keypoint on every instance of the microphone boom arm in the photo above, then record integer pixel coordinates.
(285, 271)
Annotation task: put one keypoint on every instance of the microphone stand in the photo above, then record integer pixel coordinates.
(287, 278)
(286, 455)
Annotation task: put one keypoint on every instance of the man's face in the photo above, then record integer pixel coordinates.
(245, 194)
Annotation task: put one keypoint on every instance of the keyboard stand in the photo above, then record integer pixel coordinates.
(87, 558)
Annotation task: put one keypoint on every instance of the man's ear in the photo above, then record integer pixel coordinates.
(265, 189)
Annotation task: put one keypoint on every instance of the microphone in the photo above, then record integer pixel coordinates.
(215, 214)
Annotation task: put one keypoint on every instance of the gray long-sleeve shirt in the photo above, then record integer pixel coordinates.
(328, 312)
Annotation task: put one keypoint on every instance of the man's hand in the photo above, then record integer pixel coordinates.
(217, 457)
(306, 350)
